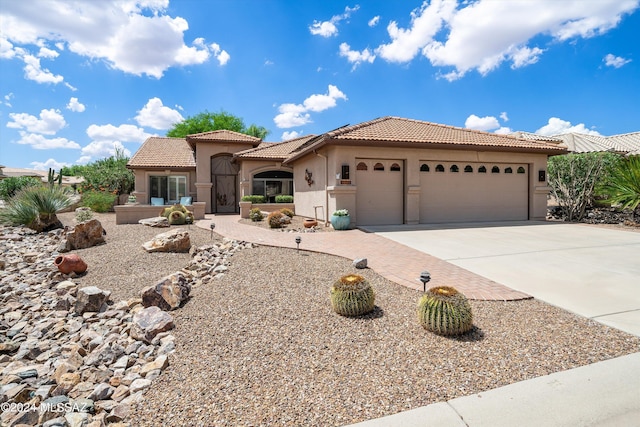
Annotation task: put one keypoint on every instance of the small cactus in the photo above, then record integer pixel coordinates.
(352, 295)
(177, 218)
(445, 311)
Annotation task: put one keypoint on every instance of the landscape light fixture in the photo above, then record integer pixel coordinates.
(425, 277)
(212, 226)
(298, 240)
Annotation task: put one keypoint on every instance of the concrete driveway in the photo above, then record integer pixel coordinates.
(591, 271)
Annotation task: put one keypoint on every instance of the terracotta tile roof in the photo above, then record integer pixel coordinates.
(535, 137)
(225, 136)
(274, 150)
(160, 152)
(396, 131)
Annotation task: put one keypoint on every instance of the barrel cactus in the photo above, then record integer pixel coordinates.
(352, 295)
(445, 311)
(177, 218)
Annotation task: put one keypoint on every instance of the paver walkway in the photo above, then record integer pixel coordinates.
(394, 261)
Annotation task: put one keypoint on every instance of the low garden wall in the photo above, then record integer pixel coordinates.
(132, 213)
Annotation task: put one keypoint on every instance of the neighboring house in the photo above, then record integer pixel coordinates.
(6, 172)
(626, 144)
(386, 171)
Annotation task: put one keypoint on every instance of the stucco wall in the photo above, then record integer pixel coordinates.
(305, 195)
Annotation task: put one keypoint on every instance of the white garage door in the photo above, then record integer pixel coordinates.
(379, 197)
(459, 192)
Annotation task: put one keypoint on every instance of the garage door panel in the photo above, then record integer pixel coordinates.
(379, 196)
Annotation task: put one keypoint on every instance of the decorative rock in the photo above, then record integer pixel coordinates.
(172, 241)
(84, 235)
(150, 322)
(118, 413)
(160, 363)
(139, 384)
(360, 263)
(91, 298)
(168, 294)
(102, 391)
(158, 221)
(77, 419)
(8, 347)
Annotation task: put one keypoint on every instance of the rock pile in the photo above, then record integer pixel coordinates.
(71, 357)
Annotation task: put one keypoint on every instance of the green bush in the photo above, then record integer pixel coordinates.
(284, 198)
(256, 215)
(83, 214)
(36, 207)
(10, 186)
(98, 201)
(253, 198)
(110, 174)
(287, 212)
(275, 219)
(623, 185)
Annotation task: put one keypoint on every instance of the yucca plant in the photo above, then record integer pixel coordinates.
(352, 295)
(36, 207)
(445, 311)
(623, 186)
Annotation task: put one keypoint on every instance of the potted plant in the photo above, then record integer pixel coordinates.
(340, 219)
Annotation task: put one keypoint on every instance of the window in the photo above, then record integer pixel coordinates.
(495, 169)
(454, 168)
(362, 166)
(482, 169)
(508, 170)
(424, 168)
(378, 167)
(439, 168)
(468, 169)
(170, 187)
(520, 169)
(395, 167)
(272, 183)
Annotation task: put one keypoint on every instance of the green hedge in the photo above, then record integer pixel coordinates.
(254, 198)
(283, 198)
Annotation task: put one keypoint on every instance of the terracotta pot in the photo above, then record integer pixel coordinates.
(308, 223)
(68, 263)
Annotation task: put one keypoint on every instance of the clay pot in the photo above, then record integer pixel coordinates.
(68, 263)
(308, 223)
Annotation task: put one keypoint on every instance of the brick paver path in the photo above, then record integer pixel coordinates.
(394, 261)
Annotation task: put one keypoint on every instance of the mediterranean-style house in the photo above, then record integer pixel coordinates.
(389, 170)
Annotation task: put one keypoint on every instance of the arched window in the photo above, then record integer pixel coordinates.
(439, 168)
(454, 168)
(482, 169)
(520, 169)
(424, 168)
(495, 169)
(362, 166)
(468, 169)
(378, 167)
(394, 167)
(508, 170)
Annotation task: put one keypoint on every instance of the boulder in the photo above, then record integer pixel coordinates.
(149, 322)
(360, 263)
(168, 294)
(91, 299)
(171, 241)
(84, 235)
(158, 221)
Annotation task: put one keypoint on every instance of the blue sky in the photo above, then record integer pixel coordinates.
(79, 79)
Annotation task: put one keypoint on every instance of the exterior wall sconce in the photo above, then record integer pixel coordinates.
(308, 177)
(542, 175)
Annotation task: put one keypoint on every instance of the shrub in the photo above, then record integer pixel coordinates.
(10, 186)
(109, 174)
(287, 212)
(98, 201)
(445, 311)
(275, 219)
(253, 198)
(352, 295)
(623, 185)
(284, 198)
(36, 207)
(256, 215)
(341, 212)
(83, 214)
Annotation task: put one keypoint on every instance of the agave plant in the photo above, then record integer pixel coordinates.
(445, 311)
(623, 186)
(352, 295)
(36, 207)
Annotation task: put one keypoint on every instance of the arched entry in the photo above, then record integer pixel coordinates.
(224, 177)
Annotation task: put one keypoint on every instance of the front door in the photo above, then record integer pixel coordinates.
(224, 177)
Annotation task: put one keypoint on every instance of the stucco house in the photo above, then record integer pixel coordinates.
(389, 170)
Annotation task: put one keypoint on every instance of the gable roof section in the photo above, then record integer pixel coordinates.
(396, 131)
(274, 150)
(223, 135)
(627, 142)
(159, 152)
(583, 143)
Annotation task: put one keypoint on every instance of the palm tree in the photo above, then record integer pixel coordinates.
(623, 186)
(36, 207)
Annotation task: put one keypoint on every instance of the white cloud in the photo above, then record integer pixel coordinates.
(329, 28)
(34, 71)
(122, 133)
(465, 45)
(136, 37)
(40, 142)
(486, 123)
(50, 122)
(158, 116)
(615, 61)
(504, 116)
(290, 135)
(374, 21)
(75, 106)
(503, 130)
(7, 99)
(557, 126)
(355, 57)
(50, 163)
(221, 55)
(292, 115)
(101, 149)
(47, 53)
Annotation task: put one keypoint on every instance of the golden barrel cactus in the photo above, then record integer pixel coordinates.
(445, 311)
(352, 295)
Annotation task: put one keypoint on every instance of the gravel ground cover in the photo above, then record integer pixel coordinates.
(261, 346)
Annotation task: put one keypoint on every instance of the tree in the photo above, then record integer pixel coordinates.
(623, 185)
(207, 122)
(109, 174)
